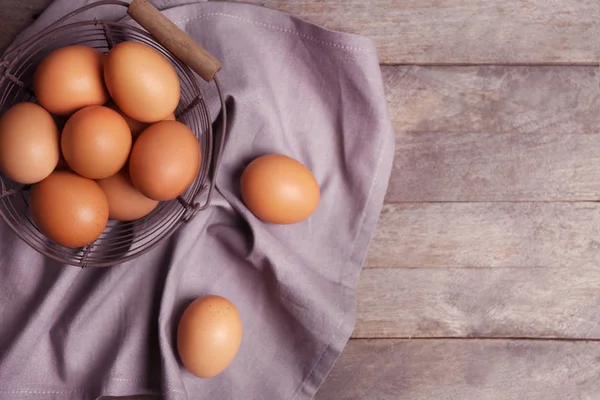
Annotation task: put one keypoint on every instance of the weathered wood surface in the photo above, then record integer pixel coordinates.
(512, 234)
(492, 133)
(465, 369)
(463, 32)
(434, 32)
(493, 98)
(480, 302)
(487, 166)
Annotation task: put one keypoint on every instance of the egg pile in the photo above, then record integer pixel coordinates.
(101, 142)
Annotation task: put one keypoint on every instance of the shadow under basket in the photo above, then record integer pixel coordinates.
(120, 241)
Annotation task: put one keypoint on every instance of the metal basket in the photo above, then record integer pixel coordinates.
(120, 241)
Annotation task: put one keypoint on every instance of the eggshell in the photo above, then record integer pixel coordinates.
(141, 81)
(96, 142)
(164, 160)
(125, 202)
(29, 143)
(69, 209)
(70, 78)
(209, 336)
(136, 127)
(279, 189)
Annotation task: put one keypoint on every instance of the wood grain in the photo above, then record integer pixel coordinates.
(498, 99)
(544, 166)
(17, 15)
(455, 31)
(547, 235)
(480, 302)
(464, 369)
(495, 133)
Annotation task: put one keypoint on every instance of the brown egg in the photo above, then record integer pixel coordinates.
(279, 189)
(136, 127)
(125, 202)
(209, 336)
(96, 142)
(164, 160)
(141, 81)
(70, 78)
(69, 209)
(29, 143)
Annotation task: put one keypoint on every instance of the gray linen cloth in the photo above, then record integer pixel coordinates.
(292, 88)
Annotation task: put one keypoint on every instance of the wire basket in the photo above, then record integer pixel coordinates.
(120, 241)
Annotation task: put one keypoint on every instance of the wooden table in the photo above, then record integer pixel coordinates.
(483, 278)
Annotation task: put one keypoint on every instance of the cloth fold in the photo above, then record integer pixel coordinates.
(292, 88)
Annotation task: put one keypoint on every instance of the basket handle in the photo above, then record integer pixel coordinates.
(174, 39)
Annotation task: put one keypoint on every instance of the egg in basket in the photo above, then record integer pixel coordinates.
(106, 143)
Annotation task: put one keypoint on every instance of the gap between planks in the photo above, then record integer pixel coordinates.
(562, 33)
(452, 31)
(482, 270)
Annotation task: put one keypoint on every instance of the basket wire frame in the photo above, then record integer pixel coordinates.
(120, 241)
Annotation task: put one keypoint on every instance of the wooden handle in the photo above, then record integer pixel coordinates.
(174, 39)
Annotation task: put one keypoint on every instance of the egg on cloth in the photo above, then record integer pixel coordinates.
(209, 335)
(141, 81)
(125, 202)
(70, 78)
(29, 143)
(69, 209)
(96, 142)
(279, 189)
(165, 160)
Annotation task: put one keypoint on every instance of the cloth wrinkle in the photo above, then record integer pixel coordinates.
(85, 333)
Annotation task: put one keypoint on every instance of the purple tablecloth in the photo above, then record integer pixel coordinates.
(292, 88)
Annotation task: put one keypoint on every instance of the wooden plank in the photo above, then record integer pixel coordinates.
(549, 235)
(449, 146)
(410, 33)
(544, 166)
(479, 302)
(17, 15)
(455, 31)
(540, 31)
(496, 99)
(465, 370)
